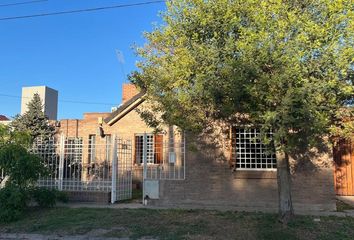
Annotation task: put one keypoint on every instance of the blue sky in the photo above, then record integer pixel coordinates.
(74, 54)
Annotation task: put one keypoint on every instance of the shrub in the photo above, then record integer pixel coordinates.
(13, 202)
(44, 197)
(47, 197)
(62, 197)
(22, 167)
(23, 170)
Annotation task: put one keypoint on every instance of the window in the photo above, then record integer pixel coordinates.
(91, 148)
(154, 148)
(74, 149)
(73, 158)
(249, 153)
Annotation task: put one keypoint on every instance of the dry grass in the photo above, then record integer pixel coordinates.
(177, 224)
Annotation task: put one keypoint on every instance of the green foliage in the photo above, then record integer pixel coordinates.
(13, 201)
(10, 136)
(22, 167)
(23, 170)
(61, 197)
(34, 121)
(284, 65)
(44, 197)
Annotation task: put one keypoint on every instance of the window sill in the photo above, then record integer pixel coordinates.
(242, 174)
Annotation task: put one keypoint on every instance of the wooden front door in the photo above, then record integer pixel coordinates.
(343, 155)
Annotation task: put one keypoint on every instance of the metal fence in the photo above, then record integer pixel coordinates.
(162, 155)
(2, 175)
(106, 164)
(78, 166)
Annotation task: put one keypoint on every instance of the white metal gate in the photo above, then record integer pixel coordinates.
(87, 166)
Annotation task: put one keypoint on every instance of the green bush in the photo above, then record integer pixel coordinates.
(47, 197)
(44, 197)
(62, 197)
(22, 167)
(13, 202)
(23, 170)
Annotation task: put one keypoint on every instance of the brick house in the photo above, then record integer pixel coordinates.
(226, 171)
(98, 128)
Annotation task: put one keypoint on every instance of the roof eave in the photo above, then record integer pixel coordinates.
(112, 120)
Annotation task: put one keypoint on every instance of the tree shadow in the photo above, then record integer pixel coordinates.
(305, 159)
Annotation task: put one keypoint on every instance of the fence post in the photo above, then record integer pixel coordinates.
(114, 170)
(61, 161)
(144, 165)
(184, 155)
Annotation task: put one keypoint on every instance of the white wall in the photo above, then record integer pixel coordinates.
(48, 96)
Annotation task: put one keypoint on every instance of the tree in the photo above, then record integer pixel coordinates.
(22, 170)
(34, 121)
(8, 136)
(279, 64)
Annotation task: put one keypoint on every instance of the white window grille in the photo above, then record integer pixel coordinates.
(154, 148)
(250, 153)
(150, 148)
(74, 149)
(168, 156)
(91, 149)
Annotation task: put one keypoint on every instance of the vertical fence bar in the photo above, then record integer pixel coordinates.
(114, 170)
(184, 154)
(144, 164)
(61, 161)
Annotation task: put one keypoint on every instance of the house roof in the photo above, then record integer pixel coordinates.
(125, 108)
(3, 118)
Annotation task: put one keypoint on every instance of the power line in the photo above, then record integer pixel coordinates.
(81, 10)
(66, 101)
(22, 3)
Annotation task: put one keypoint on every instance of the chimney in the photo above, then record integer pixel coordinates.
(129, 91)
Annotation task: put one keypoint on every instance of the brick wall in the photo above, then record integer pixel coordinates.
(210, 183)
(125, 129)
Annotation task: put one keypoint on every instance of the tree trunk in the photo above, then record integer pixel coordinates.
(284, 187)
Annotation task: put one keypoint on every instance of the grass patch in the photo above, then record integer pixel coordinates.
(342, 206)
(177, 224)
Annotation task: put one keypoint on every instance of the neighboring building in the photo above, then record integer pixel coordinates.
(4, 120)
(48, 96)
(220, 171)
